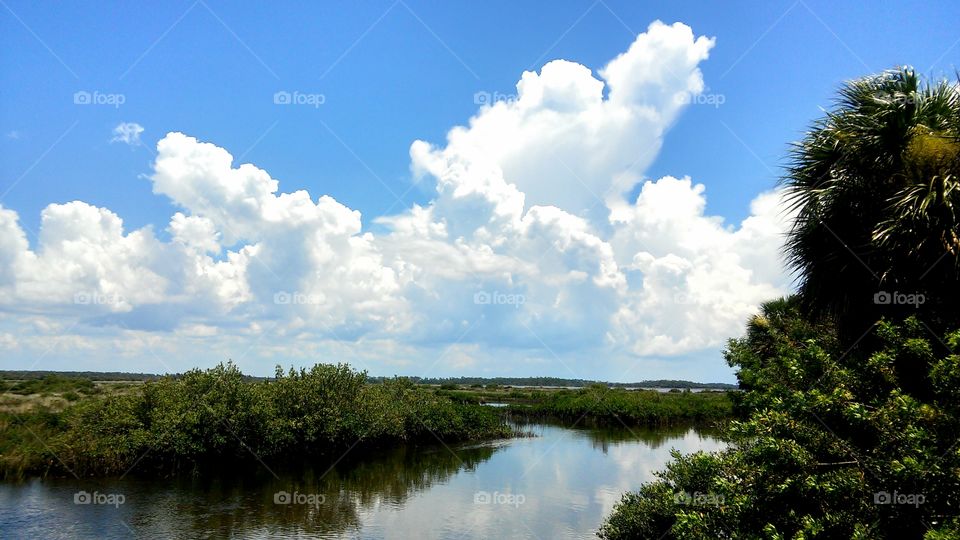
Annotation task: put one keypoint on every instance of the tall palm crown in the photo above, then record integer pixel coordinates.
(875, 187)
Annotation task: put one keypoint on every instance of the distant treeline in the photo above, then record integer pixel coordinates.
(99, 376)
(92, 375)
(555, 381)
(465, 381)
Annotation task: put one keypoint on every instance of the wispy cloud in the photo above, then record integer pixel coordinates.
(127, 132)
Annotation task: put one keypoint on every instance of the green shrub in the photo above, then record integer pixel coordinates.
(822, 435)
(218, 415)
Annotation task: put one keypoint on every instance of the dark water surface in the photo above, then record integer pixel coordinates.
(559, 484)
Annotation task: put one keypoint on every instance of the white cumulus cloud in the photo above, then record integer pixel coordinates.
(562, 143)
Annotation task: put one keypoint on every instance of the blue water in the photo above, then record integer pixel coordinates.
(560, 483)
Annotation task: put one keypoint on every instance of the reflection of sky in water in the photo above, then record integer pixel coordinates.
(568, 482)
(565, 480)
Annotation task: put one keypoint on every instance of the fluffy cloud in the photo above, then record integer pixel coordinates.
(528, 259)
(700, 278)
(87, 268)
(561, 143)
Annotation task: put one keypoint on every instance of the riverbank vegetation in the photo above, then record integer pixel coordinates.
(179, 424)
(601, 404)
(71, 426)
(634, 407)
(848, 420)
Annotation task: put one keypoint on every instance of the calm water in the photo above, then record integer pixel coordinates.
(559, 484)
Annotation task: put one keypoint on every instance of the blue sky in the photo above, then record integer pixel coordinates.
(391, 73)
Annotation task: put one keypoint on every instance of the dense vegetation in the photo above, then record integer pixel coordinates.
(876, 187)
(636, 407)
(824, 438)
(850, 410)
(185, 423)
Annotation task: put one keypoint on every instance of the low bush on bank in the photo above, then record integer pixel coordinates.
(173, 425)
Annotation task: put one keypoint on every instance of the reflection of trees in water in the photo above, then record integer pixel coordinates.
(393, 477)
(234, 502)
(602, 434)
(241, 502)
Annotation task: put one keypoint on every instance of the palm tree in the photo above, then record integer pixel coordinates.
(876, 187)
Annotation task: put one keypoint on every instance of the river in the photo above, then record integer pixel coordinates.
(560, 482)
